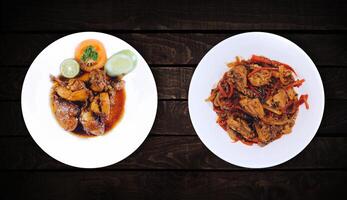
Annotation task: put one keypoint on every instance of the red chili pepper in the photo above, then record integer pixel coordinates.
(303, 99)
(262, 59)
(217, 110)
(297, 83)
(231, 89)
(221, 90)
(254, 90)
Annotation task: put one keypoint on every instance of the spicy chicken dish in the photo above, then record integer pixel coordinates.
(88, 97)
(256, 101)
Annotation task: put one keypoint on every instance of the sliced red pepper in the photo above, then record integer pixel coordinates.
(217, 110)
(303, 99)
(254, 90)
(262, 59)
(221, 90)
(297, 83)
(231, 89)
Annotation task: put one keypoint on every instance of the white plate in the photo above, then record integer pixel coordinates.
(121, 141)
(209, 72)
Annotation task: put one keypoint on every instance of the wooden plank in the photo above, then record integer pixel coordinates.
(174, 48)
(174, 185)
(175, 152)
(172, 15)
(173, 119)
(173, 82)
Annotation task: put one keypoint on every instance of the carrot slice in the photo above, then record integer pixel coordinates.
(91, 55)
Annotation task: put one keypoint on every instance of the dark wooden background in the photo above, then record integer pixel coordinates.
(173, 36)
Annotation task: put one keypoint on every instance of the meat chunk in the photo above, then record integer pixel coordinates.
(65, 112)
(277, 102)
(92, 124)
(238, 75)
(75, 84)
(253, 107)
(98, 81)
(101, 105)
(105, 104)
(239, 125)
(285, 75)
(71, 90)
(264, 133)
(78, 95)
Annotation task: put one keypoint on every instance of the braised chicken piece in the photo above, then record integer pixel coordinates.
(101, 104)
(238, 75)
(285, 75)
(75, 84)
(239, 125)
(65, 112)
(78, 95)
(252, 106)
(264, 133)
(71, 90)
(92, 123)
(277, 103)
(255, 100)
(98, 81)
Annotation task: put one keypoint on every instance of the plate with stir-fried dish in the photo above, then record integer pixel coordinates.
(89, 100)
(256, 100)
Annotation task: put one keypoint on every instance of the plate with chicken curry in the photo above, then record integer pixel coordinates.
(256, 100)
(89, 99)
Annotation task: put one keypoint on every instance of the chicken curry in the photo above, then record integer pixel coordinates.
(90, 101)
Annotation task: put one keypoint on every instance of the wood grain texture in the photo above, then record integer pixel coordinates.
(173, 119)
(173, 82)
(174, 48)
(175, 152)
(172, 15)
(188, 185)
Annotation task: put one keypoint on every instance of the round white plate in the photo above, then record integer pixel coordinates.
(209, 72)
(93, 152)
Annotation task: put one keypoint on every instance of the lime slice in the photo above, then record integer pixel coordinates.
(121, 63)
(69, 68)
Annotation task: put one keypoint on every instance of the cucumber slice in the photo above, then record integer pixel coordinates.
(69, 68)
(121, 63)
